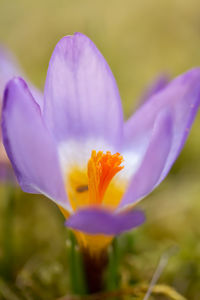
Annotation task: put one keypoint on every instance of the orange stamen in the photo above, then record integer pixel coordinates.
(101, 169)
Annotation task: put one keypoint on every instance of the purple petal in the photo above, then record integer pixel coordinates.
(81, 95)
(29, 145)
(148, 174)
(9, 68)
(98, 221)
(182, 95)
(159, 84)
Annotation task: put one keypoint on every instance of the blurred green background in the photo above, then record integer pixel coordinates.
(140, 39)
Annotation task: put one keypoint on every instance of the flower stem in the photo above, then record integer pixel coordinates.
(94, 267)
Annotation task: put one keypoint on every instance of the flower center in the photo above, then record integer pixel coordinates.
(93, 186)
(101, 169)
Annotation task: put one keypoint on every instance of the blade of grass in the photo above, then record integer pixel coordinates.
(8, 233)
(112, 272)
(77, 281)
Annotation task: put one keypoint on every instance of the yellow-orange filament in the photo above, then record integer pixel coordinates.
(101, 169)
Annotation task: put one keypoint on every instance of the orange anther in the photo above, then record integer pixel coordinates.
(101, 169)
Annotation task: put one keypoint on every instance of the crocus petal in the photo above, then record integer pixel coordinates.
(148, 174)
(29, 145)
(159, 83)
(98, 221)
(9, 68)
(183, 96)
(81, 96)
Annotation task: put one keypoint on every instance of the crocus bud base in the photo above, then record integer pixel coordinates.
(94, 267)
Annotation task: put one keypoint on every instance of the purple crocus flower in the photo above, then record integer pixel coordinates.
(76, 148)
(8, 69)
